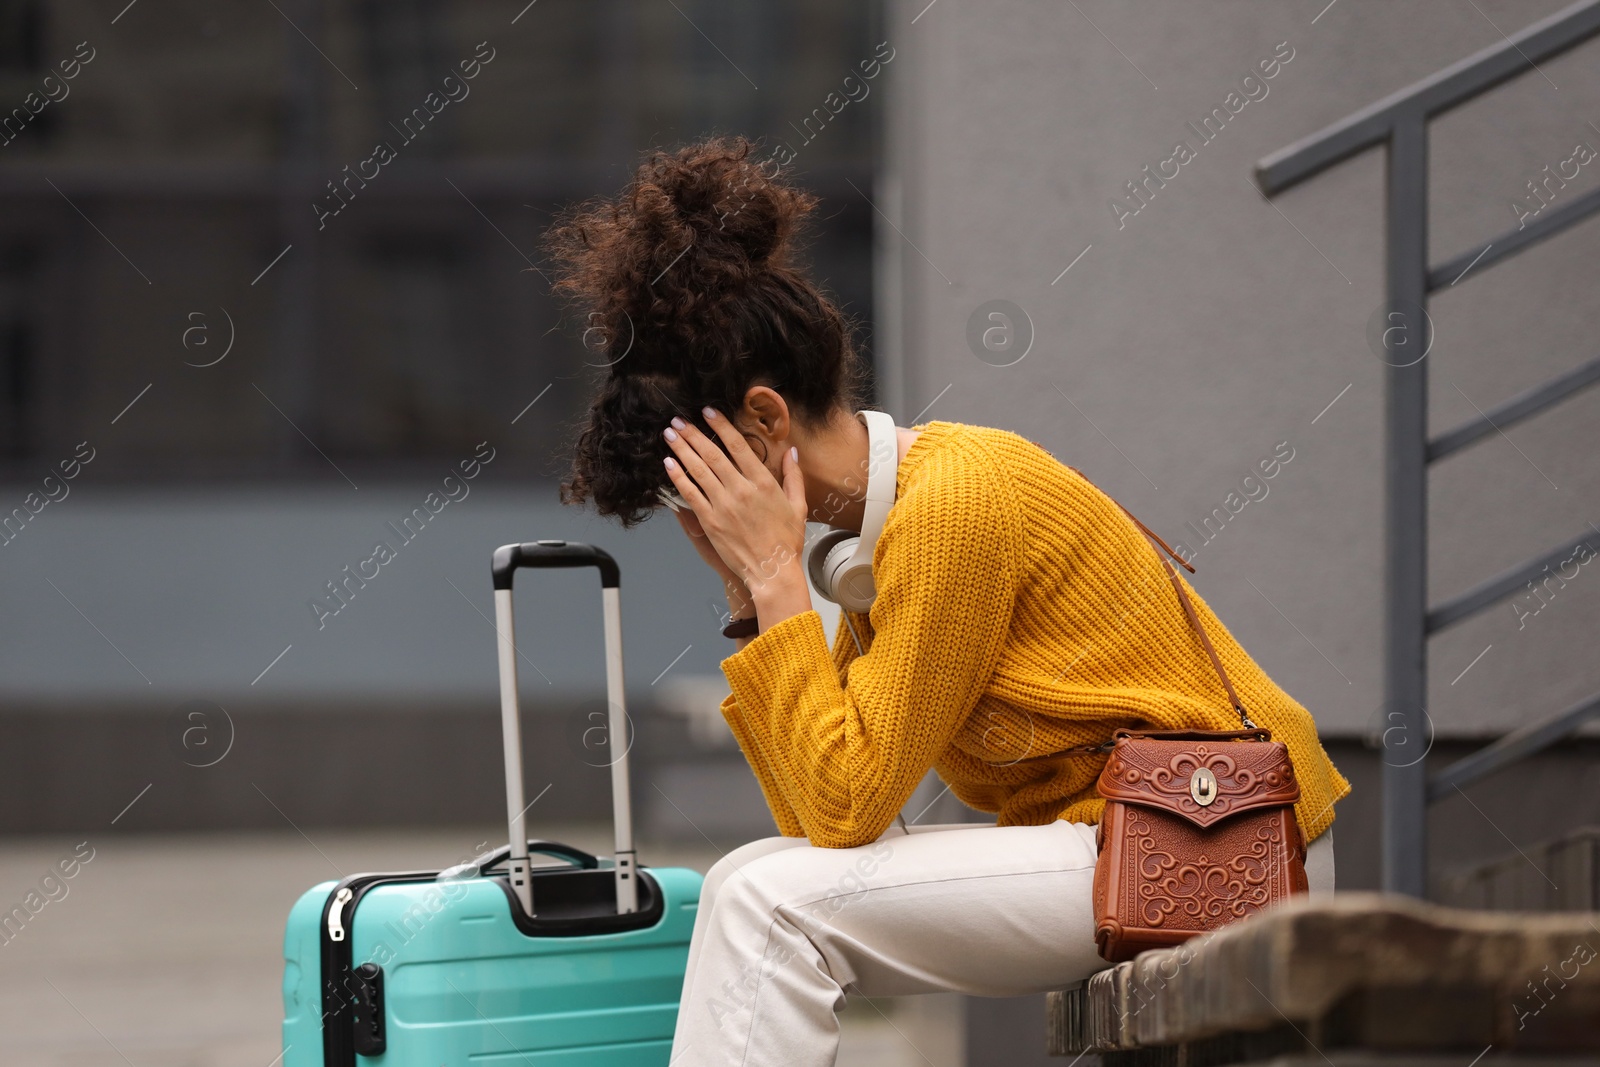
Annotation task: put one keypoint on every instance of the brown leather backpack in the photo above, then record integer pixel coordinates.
(1199, 827)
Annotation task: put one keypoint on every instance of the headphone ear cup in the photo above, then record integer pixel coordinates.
(854, 587)
(826, 556)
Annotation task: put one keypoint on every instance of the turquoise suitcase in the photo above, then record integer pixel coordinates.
(576, 961)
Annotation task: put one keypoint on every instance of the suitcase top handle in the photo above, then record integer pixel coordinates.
(554, 553)
(577, 857)
(549, 553)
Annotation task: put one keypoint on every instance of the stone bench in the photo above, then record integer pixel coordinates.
(1362, 977)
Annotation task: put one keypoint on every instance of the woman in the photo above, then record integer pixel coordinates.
(1019, 612)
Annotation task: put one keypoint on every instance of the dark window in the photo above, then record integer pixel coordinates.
(414, 323)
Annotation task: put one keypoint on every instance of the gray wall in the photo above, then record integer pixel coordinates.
(201, 590)
(1186, 344)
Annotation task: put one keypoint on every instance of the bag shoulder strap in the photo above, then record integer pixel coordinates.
(1152, 535)
(1194, 618)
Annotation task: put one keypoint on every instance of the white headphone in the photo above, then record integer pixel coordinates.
(840, 561)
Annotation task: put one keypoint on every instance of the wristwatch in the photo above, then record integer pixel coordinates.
(747, 627)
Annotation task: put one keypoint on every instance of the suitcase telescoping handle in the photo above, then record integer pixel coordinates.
(508, 559)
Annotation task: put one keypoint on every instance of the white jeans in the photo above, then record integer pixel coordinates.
(785, 930)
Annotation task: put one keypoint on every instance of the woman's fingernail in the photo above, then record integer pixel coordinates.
(671, 463)
(794, 453)
(708, 413)
(678, 423)
(670, 434)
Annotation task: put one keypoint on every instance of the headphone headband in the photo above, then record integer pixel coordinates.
(840, 563)
(883, 454)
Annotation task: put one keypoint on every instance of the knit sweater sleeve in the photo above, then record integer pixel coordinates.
(782, 814)
(847, 752)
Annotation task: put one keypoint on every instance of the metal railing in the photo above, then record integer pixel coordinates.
(1400, 122)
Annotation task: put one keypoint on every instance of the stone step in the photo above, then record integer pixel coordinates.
(1354, 972)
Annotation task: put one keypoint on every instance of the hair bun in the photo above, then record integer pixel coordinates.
(729, 204)
(694, 227)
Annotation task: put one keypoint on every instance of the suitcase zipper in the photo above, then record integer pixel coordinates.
(339, 981)
(336, 913)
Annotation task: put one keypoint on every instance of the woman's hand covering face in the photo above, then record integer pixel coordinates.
(755, 523)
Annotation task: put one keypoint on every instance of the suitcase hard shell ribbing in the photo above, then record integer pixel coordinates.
(426, 968)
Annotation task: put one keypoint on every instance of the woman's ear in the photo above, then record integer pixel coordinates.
(766, 414)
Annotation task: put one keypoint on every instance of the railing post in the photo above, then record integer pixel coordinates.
(1405, 802)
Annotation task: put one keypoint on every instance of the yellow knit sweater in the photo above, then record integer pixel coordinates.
(1019, 612)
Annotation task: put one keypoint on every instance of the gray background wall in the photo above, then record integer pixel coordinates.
(202, 589)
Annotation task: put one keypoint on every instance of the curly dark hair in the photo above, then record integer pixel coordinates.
(689, 277)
